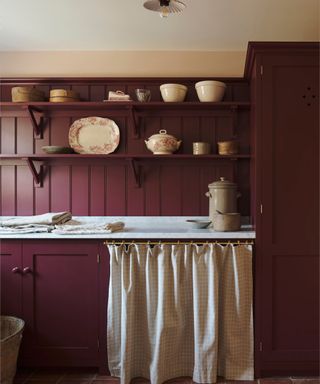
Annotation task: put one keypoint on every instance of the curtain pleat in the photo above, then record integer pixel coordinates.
(180, 310)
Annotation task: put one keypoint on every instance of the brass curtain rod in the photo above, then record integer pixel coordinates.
(178, 242)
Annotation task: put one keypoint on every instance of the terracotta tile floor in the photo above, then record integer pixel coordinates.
(90, 376)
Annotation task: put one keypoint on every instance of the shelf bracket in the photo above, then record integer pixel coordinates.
(37, 126)
(37, 175)
(136, 170)
(134, 121)
(234, 111)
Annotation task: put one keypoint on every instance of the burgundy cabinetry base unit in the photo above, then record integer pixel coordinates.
(57, 287)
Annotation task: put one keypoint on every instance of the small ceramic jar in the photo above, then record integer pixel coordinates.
(201, 148)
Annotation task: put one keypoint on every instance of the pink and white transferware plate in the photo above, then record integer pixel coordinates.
(96, 135)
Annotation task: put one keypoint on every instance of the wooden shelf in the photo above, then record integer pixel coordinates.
(133, 159)
(40, 156)
(118, 105)
(136, 111)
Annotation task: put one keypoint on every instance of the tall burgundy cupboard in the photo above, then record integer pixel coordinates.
(284, 80)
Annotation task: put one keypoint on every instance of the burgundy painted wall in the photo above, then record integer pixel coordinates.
(91, 187)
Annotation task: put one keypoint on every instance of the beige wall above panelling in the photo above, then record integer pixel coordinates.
(120, 63)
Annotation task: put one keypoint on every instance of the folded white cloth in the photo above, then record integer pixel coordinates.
(44, 219)
(27, 228)
(70, 228)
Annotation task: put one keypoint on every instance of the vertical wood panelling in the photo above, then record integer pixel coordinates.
(42, 195)
(8, 195)
(60, 188)
(116, 190)
(190, 185)
(83, 90)
(243, 181)
(97, 93)
(133, 144)
(45, 89)
(24, 181)
(24, 135)
(39, 143)
(171, 192)
(224, 130)
(97, 184)
(225, 169)
(190, 133)
(243, 132)
(135, 196)
(207, 176)
(6, 92)
(207, 132)
(8, 135)
(80, 190)
(59, 130)
(24, 192)
(155, 92)
(152, 189)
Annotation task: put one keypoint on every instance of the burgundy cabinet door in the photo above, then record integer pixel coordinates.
(60, 303)
(289, 248)
(11, 278)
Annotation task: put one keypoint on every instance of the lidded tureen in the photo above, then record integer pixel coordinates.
(162, 143)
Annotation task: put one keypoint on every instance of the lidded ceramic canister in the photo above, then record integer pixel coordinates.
(162, 143)
(222, 197)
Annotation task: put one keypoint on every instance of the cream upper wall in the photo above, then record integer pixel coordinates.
(120, 63)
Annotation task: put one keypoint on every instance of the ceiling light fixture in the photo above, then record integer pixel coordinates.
(164, 7)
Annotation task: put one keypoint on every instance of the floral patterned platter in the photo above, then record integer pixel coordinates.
(95, 135)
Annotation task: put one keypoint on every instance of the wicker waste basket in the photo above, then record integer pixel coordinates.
(11, 335)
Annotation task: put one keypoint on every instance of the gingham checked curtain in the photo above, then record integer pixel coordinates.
(180, 310)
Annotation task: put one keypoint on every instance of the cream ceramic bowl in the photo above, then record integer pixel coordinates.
(173, 92)
(210, 90)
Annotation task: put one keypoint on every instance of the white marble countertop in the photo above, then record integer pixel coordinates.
(143, 227)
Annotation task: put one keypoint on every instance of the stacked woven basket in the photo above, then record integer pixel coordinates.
(31, 94)
(63, 95)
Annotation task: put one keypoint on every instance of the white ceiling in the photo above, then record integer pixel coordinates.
(207, 25)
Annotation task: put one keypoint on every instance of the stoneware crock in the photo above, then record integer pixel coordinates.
(223, 197)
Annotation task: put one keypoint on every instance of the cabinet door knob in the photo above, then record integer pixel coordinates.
(16, 270)
(27, 270)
